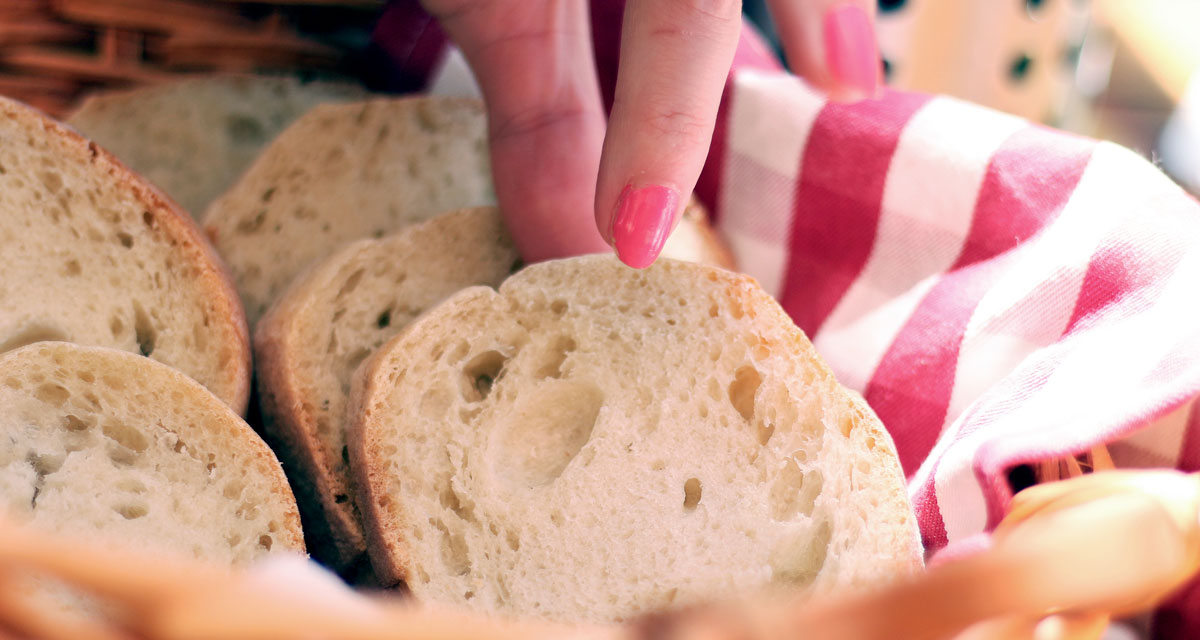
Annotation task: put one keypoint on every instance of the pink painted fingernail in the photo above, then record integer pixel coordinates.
(852, 52)
(642, 222)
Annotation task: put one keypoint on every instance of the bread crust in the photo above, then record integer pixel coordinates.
(386, 517)
(289, 423)
(162, 213)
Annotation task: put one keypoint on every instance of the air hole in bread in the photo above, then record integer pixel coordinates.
(120, 456)
(794, 492)
(561, 348)
(846, 424)
(251, 225)
(52, 394)
(797, 561)
(45, 464)
(463, 508)
(72, 268)
(265, 541)
(746, 381)
(691, 493)
(125, 435)
(481, 373)
(467, 414)
(233, 489)
(132, 511)
(351, 283)
(75, 423)
(454, 550)
(143, 329)
(765, 430)
(435, 403)
(125, 239)
(558, 307)
(31, 334)
(51, 180)
(385, 319)
(341, 498)
(512, 540)
(559, 416)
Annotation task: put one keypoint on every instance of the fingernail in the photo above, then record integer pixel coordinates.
(642, 222)
(851, 52)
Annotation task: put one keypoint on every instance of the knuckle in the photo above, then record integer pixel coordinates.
(681, 125)
(719, 12)
(535, 120)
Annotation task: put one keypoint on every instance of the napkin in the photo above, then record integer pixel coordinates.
(1000, 292)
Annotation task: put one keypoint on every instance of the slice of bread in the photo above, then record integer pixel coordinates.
(592, 442)
(93, 254)
(345, 172)
(194, 137)
(309, 344)
(362, 170)
(100, 441)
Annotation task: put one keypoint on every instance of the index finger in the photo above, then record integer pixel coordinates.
(675, 56)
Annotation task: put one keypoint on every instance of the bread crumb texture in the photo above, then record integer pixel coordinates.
(111, 446)
(592, 442)
(345, 172)
(194, 137)
(92, 255)
(340, 312)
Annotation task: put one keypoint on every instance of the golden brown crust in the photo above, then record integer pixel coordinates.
(389, 557)
(162, 213)
(290, 425)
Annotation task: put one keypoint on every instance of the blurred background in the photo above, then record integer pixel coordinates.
(1121, 70)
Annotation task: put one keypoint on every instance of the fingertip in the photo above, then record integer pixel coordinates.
(641, 222)
(851, 52)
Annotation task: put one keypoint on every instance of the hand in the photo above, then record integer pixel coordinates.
(553, 156)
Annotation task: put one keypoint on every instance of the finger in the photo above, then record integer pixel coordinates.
(832, 44)
(675, 56)
(533, 62)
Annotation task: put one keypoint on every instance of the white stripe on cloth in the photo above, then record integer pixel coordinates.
(1082, 384)
(1030, 305)
(928, 204)
(1155, 446)
(770, 117)
(453, 76)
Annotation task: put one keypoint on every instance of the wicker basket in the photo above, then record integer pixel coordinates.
(53, 51)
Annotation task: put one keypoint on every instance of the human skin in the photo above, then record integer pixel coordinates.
(555, 156)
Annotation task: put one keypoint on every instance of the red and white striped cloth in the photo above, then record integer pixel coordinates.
(1001, 293)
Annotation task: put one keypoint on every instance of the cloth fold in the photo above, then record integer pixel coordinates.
(1000, 292)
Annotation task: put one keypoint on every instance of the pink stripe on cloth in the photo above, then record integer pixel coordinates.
(752, 54)
(1027, 183)
(842, 176)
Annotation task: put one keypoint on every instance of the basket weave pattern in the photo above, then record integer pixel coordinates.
(54, 51)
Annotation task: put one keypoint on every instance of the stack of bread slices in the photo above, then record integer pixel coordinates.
(572, 440)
